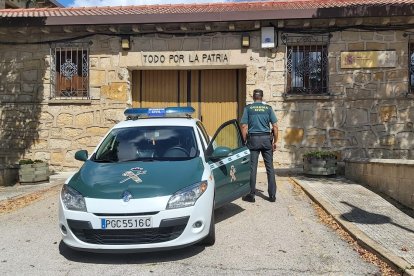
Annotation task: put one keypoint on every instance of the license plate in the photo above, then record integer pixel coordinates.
(126, 223)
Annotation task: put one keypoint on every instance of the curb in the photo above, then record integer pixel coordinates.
(360, 237)
(24, 194)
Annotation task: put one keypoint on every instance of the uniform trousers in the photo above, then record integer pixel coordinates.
(261, 143)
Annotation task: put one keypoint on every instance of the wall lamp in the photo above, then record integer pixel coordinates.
(126, 43)
(245, 42)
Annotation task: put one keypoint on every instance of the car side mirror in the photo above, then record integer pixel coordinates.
(81, 155)
(220, 152)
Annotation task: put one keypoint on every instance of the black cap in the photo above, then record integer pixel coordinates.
(258, 92)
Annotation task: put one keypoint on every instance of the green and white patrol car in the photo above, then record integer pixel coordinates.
(153, 183)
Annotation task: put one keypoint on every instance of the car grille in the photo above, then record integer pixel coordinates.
(128, 236)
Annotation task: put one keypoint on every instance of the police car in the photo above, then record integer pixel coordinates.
(153, 183)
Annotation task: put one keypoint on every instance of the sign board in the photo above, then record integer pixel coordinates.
(185, 58)
(268, 37)
(368, 59)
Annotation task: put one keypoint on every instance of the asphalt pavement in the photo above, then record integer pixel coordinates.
(262, 238)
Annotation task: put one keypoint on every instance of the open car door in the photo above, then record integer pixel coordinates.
(229, 160)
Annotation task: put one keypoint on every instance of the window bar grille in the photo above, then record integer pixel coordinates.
(306, 64)
(52, 72)
(411, 65)
(70, 71)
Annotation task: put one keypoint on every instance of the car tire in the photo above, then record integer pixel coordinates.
(210, 239)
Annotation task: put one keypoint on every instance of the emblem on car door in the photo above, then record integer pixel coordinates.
(233, 173)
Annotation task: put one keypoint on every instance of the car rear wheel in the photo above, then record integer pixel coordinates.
(211, 237)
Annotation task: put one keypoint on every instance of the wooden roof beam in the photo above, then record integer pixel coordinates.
(113, 29)
(67, 29)
(385, 21)
(45, 30)
(359, 22)
(22, 30)
(136, 29)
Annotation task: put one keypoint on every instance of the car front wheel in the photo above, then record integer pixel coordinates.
(211, 237)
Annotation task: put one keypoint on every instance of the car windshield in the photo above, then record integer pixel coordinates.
(148, 143)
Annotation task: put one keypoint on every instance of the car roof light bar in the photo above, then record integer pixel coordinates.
(176, 112)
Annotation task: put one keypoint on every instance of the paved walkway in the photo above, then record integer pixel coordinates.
(370, 218)
(18, 190)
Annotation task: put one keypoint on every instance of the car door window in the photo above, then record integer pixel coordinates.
(228, 137)
(229, 162)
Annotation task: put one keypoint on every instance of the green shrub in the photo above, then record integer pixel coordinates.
(29, 161)
(319, 154)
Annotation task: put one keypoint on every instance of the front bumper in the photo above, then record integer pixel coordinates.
(170, 228)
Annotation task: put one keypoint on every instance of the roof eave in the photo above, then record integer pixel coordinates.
(177, 18)
(311, 13)
(366, 11)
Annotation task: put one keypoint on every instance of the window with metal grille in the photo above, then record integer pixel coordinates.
(70, 70)
(306, 64)
(411, 66)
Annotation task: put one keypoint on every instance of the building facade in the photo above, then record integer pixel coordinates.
(339, 76)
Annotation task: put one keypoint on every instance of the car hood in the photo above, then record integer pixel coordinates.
(141, 179)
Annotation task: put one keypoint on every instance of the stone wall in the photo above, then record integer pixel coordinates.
(367, 114)
(34, 126)
(391, 177)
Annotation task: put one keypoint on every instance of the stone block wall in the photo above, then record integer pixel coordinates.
(391, 177)
(368, 112)
(32, 125)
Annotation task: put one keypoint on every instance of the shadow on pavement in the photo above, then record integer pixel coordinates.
(260, 193)
(221, 214)
(361, 216)
(287, 172)
(129, 258)
(227, 211)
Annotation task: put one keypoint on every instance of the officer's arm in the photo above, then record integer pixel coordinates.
(243, 124)
(244, 132)
(275, 133)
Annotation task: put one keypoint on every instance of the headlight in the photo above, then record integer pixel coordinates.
(187, 196)
(72, 199)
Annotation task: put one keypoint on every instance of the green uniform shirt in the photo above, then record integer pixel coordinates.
(258, 117)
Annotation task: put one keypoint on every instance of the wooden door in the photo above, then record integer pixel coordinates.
(156, 88)
(222, 96)
(216, 95)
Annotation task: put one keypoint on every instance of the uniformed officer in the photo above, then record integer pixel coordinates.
(255, 124)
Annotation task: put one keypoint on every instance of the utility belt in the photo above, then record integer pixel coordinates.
(259, 141)
(260, 134)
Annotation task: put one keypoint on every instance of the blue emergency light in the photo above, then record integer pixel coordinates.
(176, 112)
